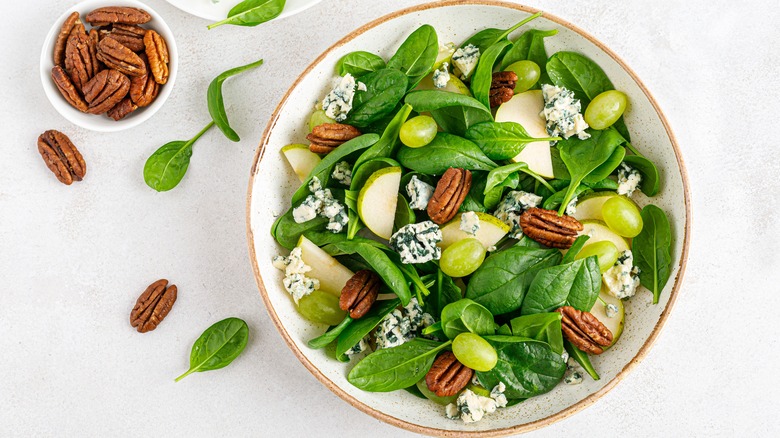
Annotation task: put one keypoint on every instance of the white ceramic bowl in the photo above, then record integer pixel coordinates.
(102, 123)
(208, 10)
(273, 182)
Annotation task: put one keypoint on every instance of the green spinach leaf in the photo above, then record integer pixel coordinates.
(487, 37)
(464, 316)
(650, 183)
(582, 358)
(530, 47)
(391, 274)
(360, 328)
(445, 151)
(575, 284)
(384, 89)
(545, 327)
(454, 112)
(502, 140)
(252, 13)
(216, 103)
(395, 368)
(417, 54)
(218, 346)
(653, 250)
(359, 64)
(445, 292)
(527, 367)
(605, 170)
(483, 75)
(286, 231)
(575, 249)
(387, 146)
(166, 167)
(331, 335)
(404, 215)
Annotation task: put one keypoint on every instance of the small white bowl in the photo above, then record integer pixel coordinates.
(102, 123)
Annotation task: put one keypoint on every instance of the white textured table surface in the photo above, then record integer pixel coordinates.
(74, 259)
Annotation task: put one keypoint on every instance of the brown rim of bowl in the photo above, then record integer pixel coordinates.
(542, 422)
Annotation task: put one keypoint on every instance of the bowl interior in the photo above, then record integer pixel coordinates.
(101, 123)
(273, 183)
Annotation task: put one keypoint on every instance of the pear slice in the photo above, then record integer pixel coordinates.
(589, 206)
(525, 109)
(378, 199)
(491, 230)
(599, 231)
(331, 274)
(301, 159)
(614, 324)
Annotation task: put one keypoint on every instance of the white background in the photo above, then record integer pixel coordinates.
(74, 259)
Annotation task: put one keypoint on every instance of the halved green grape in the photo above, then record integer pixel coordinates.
(321, 307)
(462, 257)
(318, 118)
(605, 109)
(430, 395)
(527, 75)
(418, 131)
(622, 216)
(474, 352)
(605, 250)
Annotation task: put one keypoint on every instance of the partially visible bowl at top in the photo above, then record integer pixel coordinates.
(102, 123)
(216, 11)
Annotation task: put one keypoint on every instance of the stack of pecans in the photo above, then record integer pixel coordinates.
(116, 67)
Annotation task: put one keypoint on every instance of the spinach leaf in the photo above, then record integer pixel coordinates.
(410, 272)
(483, 75)
(579, 75)
(166, 167)
(404, 215)
(417, 54)
(555, 200)
(327, 242)
(216, 103)
(392, 276)
(331, 335)
(252, 13)
(487, 37)
(605, 170)
(575, 249)
(582, 358)
(445, 292)
(650, 179)
(464, 316)
(503, 279)
(474, 200)
(494, 194)
(218, 346)
(530, 47)
(395, 368)
(388, 143)
(575, 284)
(527, 367)
(362, 173)
(604, 184)
(500, 174)
(359, 64)
(358, 329)
(454, 112)
(545, 327)
(286, 231)
(445, 151)
(653, 250)
(502, 140)
(384, 89)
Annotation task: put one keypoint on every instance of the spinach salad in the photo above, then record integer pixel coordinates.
(489, 186)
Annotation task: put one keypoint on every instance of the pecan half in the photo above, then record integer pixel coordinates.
(122, 109)
(157, 55)
(502, 88)
(81, 59)
(327, 137)
(62, 37)
(67, 89)
(112, 53)
(105, 91)
(153, 306)
(129, 35)
(143, 89)
(117, 14)
(584, 330)
(549, 229)
(359, 293)
(61, 157)
(447, 376)
(450, 192)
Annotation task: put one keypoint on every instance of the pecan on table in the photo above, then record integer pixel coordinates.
(327, 137)
(122, 109)
(114, 55)
(584, 330)
(447, 375)
(61, 156)
(129, 35)
(359, 293)
(62, 38)
(549, 229)
(157, 55)
(153, 306)
(105, 91)
(143, 89)
(81, 59)
(450, 192)
(117, 14)
(502, 88)
(67, 89)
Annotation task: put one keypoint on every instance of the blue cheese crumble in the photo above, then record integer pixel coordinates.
(469, 223)
(611, 310)
(623, 278)
(342, 172)
(574, 378)
(295, 280)
(563, 113)
(399, 326)
(472, 407)
(571, 209)
(419, 193)
(321, 202)
(628, 180)
(512, 206)
(338, 103)
(416, 243)
(465, 60)
(358, 348)
(441, 76)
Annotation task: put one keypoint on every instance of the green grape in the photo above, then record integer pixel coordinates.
(321, 307)
(462, 257)
(605, 250)
(527, 75)
(444, 401)
(474, 352)
(605, 109)
(622, 216)
(319, 118)
(418, 131)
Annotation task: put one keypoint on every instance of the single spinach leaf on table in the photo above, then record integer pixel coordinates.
(252, 13)
(466, 316)
(389, 369)
(218, 346)
(417, 54)
(483, 75)
(388, 143)
(544, 327)
(653, 250)
(445, 151)
(166, 167)
(359, 64)
(453, 112)
(487, 37)
(216, 103)
(530, 47)
(500, 284)
(359, 328)
(582, 358)
(384, 89)
(391, 274)
(502, 140)
(575, 284)
(650, 183)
